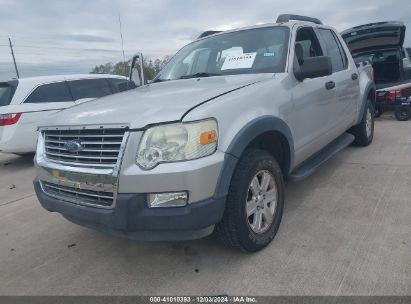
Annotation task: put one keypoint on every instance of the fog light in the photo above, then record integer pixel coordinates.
(164, 200)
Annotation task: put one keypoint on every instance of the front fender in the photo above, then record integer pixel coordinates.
(240, 142)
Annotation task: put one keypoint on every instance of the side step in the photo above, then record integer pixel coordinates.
(315, 162)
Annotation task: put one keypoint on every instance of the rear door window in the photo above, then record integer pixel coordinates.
(333, 49)
(52, 92)
(6, 93)
(89, 88)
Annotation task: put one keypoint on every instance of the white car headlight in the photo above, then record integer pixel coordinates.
(177, 142)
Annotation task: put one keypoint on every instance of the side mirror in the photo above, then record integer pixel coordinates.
(137, 70)
(313, 67)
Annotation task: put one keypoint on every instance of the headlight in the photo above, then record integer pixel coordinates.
(177, 142)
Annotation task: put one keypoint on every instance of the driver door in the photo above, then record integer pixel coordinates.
(313, 100)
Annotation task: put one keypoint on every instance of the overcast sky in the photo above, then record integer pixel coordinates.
(72, 36)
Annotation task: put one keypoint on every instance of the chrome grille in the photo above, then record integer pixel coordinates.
(79, 196)
(99, 147)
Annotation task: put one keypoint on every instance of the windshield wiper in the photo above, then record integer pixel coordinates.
(197, 75)
(160, 80)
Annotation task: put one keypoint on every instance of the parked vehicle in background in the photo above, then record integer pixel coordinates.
(407, 63)
(397, 96)
(25, 103)
(382, 44)
(211, 139)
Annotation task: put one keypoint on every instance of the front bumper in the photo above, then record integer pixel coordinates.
(128, 215)
(131, 218)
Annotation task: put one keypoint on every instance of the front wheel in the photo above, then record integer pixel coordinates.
(254, 204)
(364, 131)
(403, 113)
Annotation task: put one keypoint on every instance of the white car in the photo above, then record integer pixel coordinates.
(26, 102)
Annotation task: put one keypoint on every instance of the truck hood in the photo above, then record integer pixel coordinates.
(374, 36)
(154, 103)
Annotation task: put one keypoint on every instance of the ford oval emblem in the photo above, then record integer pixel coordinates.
(73, 146)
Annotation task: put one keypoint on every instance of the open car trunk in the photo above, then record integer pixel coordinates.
(387, 65)
(382, 45)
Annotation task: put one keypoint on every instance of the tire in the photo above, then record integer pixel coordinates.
(238, 231)
(403, 113)
(378, 111)
(364, 131)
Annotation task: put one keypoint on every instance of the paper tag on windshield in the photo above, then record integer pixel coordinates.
(243, 61)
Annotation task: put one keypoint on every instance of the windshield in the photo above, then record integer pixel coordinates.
(6, 93)
(262, 50)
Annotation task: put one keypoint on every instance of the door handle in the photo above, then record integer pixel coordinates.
(330, 85)
(354, 76)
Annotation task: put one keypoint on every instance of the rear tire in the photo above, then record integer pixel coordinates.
(254, 204)
(364, 131)
(403, 113)
(378, 111)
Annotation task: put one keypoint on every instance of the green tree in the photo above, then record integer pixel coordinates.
(151, 67)
(122, 68)
(103, 69)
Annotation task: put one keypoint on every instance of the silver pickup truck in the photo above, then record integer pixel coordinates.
(208, 143)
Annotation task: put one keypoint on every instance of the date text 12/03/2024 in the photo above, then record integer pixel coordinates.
(204, 299)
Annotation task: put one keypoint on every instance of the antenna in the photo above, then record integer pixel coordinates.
(14, 58)
(122, 43)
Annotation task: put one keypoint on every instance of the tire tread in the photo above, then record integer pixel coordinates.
(227, 230)
(359, 131)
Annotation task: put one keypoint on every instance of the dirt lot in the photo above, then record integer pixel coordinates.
(346, 231)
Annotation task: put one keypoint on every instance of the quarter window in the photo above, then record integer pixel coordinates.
(52, 92)
(333, 49)
(6, 93)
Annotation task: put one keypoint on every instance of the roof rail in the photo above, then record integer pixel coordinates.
(288, 17)
(208, 33)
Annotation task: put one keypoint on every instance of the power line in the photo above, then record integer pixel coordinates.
(63, 48)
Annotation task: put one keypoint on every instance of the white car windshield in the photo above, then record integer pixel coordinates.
(260, 50)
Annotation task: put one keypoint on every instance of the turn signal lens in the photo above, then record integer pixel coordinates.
(9, 119)
(208, 137)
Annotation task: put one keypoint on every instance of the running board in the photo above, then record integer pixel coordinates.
(315, 162)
